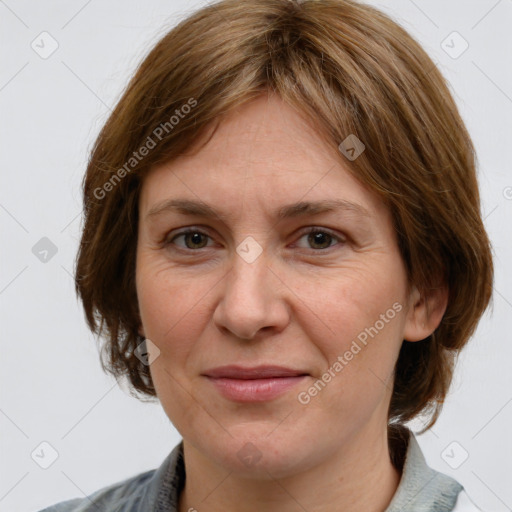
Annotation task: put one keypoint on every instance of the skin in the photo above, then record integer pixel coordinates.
(299, 304)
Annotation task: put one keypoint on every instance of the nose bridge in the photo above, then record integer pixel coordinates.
(248, 279)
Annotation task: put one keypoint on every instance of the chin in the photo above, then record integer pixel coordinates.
(260, 453)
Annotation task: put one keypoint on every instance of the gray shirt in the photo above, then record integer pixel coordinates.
(421, 489)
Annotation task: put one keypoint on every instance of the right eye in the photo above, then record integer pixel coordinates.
(193, 239)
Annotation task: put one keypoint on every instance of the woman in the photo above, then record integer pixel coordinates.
(283, 244)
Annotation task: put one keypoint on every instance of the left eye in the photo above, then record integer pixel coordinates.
(320, 239)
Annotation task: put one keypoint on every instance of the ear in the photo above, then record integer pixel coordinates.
(141, 331)
(425, 312)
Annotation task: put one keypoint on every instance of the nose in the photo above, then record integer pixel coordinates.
(253, 300)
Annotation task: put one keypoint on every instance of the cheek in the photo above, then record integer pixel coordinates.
(362, 313)
(173, 314)
(348, 303)
(173, 307)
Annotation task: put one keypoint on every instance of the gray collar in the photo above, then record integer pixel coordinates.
(421, 488)
(167, 483)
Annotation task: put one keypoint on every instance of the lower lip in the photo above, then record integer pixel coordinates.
(255, 390)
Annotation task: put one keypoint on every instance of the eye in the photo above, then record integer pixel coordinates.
(192, 238)
(320, 239)
(317, 239)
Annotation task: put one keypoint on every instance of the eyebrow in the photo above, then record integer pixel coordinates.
(298, 209)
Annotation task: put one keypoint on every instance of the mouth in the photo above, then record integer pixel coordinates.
(257, 384)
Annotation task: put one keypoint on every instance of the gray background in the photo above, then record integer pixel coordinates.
(52, 388)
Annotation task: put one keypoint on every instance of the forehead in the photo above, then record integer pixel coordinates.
(262, 155)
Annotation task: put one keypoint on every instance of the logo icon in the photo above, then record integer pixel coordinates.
(45, 45)
(454, 45)
(249, 249)
(44, 250)
(249, 454)
(44, 455)
(351, 147)
(146, 352)
(454, 455)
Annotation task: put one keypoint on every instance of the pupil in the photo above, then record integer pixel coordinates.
(195, 238)
(320, 239)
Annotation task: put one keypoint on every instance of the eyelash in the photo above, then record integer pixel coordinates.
(309, 231)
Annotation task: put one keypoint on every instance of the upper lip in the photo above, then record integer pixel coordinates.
(255, 372)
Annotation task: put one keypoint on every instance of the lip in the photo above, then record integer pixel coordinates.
(256, 384)
(254, 372)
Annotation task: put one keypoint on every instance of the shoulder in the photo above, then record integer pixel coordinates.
(140, 492)
(464, 504)
(112, 498)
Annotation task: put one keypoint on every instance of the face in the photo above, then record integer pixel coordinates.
(319, 291)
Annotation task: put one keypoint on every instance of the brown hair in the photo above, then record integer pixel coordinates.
(349, 69)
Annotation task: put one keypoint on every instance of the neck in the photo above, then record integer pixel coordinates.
(358, 477)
